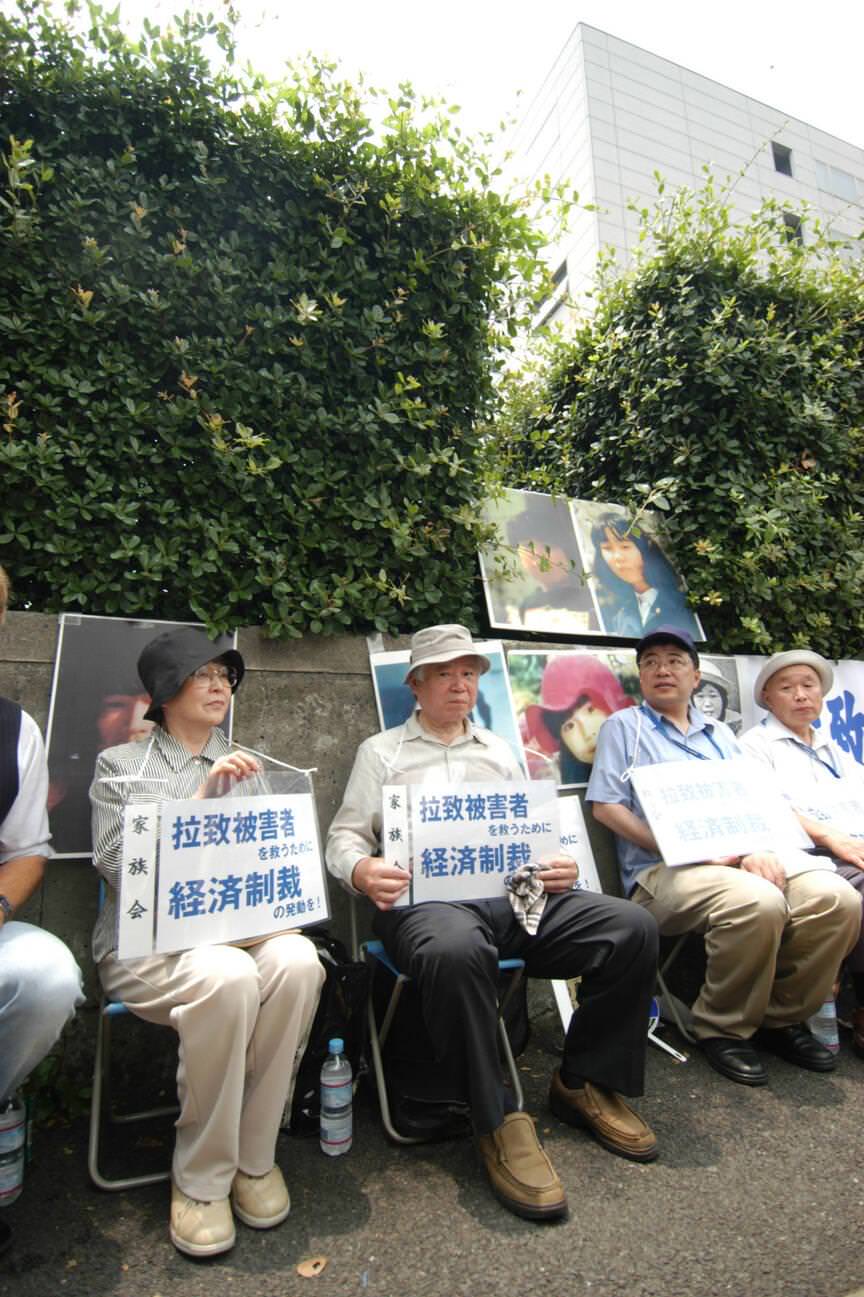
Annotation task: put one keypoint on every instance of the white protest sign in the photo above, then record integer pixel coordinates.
(840, 804)
(226, 869)
(576, 843)
(703, 810)
(466, 838)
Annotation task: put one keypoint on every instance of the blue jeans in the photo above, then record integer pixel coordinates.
(40, 988)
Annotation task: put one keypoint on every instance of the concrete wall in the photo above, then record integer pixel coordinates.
(309, 702)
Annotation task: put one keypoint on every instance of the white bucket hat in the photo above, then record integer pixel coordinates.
(443, 644)
(793, 658)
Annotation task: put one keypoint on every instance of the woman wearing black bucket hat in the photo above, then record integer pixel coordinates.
(242, 1015)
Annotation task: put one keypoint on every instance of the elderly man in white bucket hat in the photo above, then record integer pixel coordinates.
(812, 772)
(452, 949)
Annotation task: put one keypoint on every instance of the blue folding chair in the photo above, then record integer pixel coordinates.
(108, 1011)
(378, 1033)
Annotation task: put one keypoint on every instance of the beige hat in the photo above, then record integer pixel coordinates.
(793, 658)
(443, 644)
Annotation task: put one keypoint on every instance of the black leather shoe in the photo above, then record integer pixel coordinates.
(797, 1044)
(735, 1059)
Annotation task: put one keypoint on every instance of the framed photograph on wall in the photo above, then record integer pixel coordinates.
(635, 583)
(533, 580)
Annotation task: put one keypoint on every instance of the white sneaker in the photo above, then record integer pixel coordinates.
(261, 1201)
(200, 1228)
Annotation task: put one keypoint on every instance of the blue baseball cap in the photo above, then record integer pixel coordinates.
(668, 635)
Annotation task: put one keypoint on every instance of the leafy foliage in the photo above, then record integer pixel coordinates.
(721, 380)
(246, 341)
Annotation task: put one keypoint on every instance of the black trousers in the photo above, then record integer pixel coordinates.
(452, 952)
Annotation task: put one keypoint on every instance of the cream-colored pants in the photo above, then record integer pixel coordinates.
(772, 955)
(243, 1018)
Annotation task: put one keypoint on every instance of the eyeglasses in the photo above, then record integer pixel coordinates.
(672, 663)
(221, 675)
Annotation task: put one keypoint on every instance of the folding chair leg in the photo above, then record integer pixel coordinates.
(100, 1087)
(381, 1083)
(511, 1064)
(668, 999)
(506, 1048)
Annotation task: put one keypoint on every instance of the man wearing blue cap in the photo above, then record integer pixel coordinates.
(773, 943)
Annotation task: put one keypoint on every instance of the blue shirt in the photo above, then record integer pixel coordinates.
(658, 740)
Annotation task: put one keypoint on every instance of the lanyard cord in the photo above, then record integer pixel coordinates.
(139, 777)
(814, 756)
(691, 753)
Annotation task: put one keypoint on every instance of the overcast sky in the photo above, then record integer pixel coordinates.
(803, 58)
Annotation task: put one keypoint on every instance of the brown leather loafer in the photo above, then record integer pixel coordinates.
(520, 1173)
(605, 1114)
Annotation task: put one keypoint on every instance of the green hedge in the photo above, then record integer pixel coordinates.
(246, 342)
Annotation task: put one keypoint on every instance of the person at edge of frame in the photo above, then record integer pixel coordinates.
(810, 766)
(40, 982)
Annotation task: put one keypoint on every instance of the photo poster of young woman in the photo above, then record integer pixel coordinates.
(634, 581)
(494, 709)
(97, 701)
(533, 580)
(718, 693)
(562, 698)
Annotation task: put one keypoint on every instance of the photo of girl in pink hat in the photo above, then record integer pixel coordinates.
(562, 699)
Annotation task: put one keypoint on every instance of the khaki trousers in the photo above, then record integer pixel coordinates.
(772, 955)
(243, 1018)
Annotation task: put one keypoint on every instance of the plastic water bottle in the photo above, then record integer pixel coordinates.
(823, 1024)
(337, 1094)
(13, 1136)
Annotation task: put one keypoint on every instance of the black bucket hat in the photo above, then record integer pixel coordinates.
(169, 659)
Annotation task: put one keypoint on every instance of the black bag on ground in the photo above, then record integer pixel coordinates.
(426, 1102)
(341, 1012)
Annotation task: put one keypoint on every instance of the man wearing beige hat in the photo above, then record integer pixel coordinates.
(812, 772)
(452, 949)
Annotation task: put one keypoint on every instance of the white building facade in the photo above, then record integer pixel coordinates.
(610, 115)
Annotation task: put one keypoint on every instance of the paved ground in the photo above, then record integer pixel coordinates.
(751, 1198)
